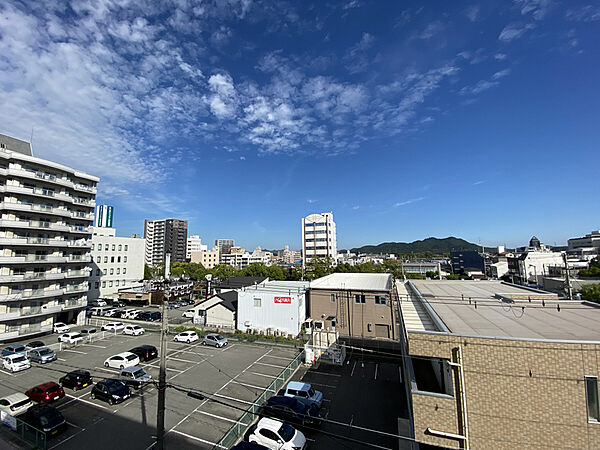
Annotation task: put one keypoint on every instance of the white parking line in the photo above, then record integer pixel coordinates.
(250, 385)
(70, 437)
(183, 371)
(88, 402)
(270, 365)
(216, 417)
(8, 373)
(214, 444)
(60, 359)
(182, 360)
(94, 345)
(263, 375)
(228, 347)
(74, 351)
(106, 369)
(280, 357)
(328, 374)
(233, 399)
(376, 366)
(324, 385)
(353, 367)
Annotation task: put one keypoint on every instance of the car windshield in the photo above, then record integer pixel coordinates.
(115, 387)
(139, 374)
(76, 336)
(19, 404)
(50, 419)
(45, 351)
(136, 327)
(311, 392)
(18, 348)
(54, 388)
(286, 432)
(19, 359)
(131, 357)
(219, 337)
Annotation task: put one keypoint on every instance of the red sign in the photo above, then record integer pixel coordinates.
(283, 299)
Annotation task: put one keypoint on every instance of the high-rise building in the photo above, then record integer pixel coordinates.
(224, 245)
(117, 263)
(46, 214)
(194, 244)
(104, 216)
(165, 236)
(318, 237)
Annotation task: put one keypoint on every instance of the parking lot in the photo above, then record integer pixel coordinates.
(235, 376)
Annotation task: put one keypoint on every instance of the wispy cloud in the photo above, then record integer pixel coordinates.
(311, 201)
(588, 13)
(408, 202)
(501, 74)
(477, 183)
(431, 30)
(473, 12)
(514, 31)
(538, 9)
(356, 207)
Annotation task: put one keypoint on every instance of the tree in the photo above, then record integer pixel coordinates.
(431, 274)
(317, 268)
(453, 276)
(593, 271)
(158, 270)
(591, 292)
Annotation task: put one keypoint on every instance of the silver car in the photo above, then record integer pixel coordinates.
(216, 340)
(41, 355)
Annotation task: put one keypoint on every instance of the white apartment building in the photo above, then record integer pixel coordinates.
(319, 238)
(208, 259)
(46, 213)
(165, 236)
(117, 263)
(194, 244)
(240, 258)
(290, 256)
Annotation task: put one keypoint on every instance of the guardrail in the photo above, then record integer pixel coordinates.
(237, 431)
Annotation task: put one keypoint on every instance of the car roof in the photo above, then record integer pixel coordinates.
(131, 369)
(79, 372)
(16, 397)
(16, 355)
(46, 385)
(280, 399)
(15, 346)
(298, 385)
(213, 334)
(124, 354)
(42, 408)
(271, 424)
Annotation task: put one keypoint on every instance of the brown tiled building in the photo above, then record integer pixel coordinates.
(359, 305)
(496, 366)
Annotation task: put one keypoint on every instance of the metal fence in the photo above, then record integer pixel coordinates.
(236, 432)
(36, 438)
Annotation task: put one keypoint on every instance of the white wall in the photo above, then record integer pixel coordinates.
(287, 317)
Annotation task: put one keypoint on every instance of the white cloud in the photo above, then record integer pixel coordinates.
(431, 30)
(356, 207)
(311, 201)
(537, 8)
(478, 88)
(501, 74)
(588, 13)
(514, 31)
(473, 13)
(223, 103)
(408, 202)
(500, 56)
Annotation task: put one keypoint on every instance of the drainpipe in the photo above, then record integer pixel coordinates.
(463, 397)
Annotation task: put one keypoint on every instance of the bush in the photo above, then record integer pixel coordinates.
(591, 292)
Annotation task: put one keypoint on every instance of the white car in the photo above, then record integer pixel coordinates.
(15, 404)
(133, 330)
(113, 326)
(71, 338)
(60, 327)
(189, 314)
(277, 435)
(16, 362)
(127, 313)
(186, 336)
(122, 360)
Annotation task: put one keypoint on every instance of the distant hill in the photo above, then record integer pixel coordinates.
(433, 245)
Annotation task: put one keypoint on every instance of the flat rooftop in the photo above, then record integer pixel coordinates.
(500, 312)
(354, 282)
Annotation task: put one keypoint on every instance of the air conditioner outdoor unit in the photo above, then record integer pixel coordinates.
(318, 324)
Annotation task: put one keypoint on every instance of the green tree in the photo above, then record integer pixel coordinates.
(317, 268)
(157, 270)
(431, 274)
(453, 276)
(591, 292)
(593, 271)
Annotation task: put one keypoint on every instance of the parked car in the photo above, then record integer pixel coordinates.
(15, 404)
(118, 304)
(133, 330)
(277, 435)
(150, 316)
(291, 410)
(45, 418)
(135, 376)
(216, 340)
(100, 310)
(145, 352)
(186, 336)
(16, 363)
(60, 327)
(77, 379)
(189, 314)
(113, 326)
(116, 314)
(135, 315)
(111, 391)
(304, 392)
(122, 360)
(34, 344)
(98, 302)
(88, 331)
(46, 392)
(112, 312)
(249, 446)
(128, 313)
(41, 355)
(14, 350)
(71, 338)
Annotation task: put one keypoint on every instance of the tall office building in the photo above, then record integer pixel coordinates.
(194, 244)
(318, 237)
(165, 236)
(47, 210)
(224, 245)
(104, 216)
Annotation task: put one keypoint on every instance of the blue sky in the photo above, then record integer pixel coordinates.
(406, 119)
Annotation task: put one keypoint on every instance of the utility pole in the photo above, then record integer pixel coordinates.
(162, 374)
(568, 278)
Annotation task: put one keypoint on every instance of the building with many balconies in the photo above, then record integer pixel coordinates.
(46, 213)
(319, 237)
(165, 236)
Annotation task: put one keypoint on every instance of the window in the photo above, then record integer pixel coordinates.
(97, 272)
(124, 270)
(125, 258)
(591, 393)
(332, 298)
(117, 283)
(105, 259)
(126, 247)
(113, 247)
(118, 259)
(92, 246)
(110, 284)
(269, 434)
(104, 272)
(112, 259)
(432, 375)
(360, 298)
(96, 284)
(257, 302)
(106, 247)
(104, 284)
(123, 282)
(118, 271)
(120, 247)
(99, 247)
(112, 271)
(380, 300)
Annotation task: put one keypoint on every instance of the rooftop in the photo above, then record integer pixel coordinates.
(354, 281)
(504, 310)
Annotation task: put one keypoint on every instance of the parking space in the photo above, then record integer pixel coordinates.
(234, 375)
(368, 393)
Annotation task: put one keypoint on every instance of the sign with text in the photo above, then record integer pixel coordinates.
(283, 299)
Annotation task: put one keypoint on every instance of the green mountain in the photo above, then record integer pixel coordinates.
(432, 245)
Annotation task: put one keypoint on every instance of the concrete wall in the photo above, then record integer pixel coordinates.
(352, 319)
(520, 394)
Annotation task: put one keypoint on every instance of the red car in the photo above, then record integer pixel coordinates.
(47, 392)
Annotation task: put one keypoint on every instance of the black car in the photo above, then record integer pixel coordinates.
(45, 418)
(149, 316)
(288, 409)
(35, 344)
(145, 352)
(88, 331)
(249, 446)
(118, 304)
(77, 379)
(111, 391)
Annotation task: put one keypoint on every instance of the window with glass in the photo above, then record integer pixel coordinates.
(332, 298)
(257, 302)
(120, 247)
(380, 300)
(591, 393)
(360, 298)
(104, 284)
(112, 271)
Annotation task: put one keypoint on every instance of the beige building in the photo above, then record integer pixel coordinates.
(208, 259)
(355, 305)
(493, 365)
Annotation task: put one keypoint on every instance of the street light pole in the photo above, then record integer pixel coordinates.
(162, 374)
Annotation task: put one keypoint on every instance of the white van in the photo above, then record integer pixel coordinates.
(189, 314)
(99, 310)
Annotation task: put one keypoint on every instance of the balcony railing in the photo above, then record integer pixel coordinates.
(76, 287)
